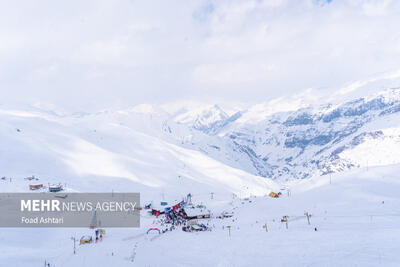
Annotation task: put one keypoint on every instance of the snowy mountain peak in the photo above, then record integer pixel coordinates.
(299, 143)
(207, 119)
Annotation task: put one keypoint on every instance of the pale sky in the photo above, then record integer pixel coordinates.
(88, 55)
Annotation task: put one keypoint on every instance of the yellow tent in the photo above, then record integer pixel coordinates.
(274, 195)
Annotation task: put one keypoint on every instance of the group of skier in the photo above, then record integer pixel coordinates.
(99, 235)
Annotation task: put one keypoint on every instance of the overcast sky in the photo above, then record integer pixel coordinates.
(97, 54)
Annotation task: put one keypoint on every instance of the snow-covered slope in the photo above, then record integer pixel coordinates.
(355, 215)
(311, 140)
(90, 152)
(103, 152)
(289, 144)
(219, 158)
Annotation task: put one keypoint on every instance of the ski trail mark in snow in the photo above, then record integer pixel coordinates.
(133, 237)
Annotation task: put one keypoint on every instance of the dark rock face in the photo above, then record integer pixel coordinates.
(301, 119)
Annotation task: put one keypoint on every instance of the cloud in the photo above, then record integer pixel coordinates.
(375, 7)
(233, 72)
(43, 73)
(102, 51)
(93, 55)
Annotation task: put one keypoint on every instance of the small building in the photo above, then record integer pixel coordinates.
(35, 186)
(86, 240)
(55, 188)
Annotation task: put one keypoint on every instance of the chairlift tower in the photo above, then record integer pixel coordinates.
(74, 239)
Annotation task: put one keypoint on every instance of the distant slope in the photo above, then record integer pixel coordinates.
(104, 151)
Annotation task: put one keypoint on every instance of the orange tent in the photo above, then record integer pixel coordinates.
(274, 195)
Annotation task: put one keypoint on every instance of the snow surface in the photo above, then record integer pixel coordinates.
(219, 157)
(355, 215)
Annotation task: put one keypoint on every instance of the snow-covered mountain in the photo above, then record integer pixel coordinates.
(282, 139)
(203, 119)
(120, 148)
(221, 158)
(300, 143)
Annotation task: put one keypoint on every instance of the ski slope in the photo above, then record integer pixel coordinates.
(355, 214)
